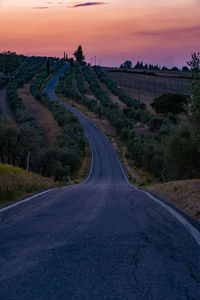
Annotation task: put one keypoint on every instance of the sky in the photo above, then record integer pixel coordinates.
(160, 32)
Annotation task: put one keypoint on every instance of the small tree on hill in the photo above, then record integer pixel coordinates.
(170, 103)
(127, 64)
(194, 63)
(78, 54)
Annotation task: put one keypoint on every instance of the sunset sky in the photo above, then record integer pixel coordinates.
(164, 32)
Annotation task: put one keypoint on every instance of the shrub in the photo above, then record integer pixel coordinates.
(170, 103)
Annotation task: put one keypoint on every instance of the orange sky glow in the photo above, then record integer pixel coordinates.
(164, 32)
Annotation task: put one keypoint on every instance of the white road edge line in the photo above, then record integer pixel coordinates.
(188, 226)
(25, 200)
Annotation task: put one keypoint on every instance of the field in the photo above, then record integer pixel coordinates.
(145, 87)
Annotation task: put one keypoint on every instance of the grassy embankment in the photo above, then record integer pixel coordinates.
(16, 183)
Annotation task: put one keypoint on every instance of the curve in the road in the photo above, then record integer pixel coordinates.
(100, 240)
(110, 152)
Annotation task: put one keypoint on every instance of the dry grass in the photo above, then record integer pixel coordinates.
(184, 194)
(16, 183)
(43, 116)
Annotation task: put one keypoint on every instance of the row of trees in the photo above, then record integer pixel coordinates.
(65, 87)
(175, 148)
(144, 66)
(64, 157)
(10, 62)
(158, 153)
(17, 141)
(128, 100)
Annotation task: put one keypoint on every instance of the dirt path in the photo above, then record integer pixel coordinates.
(43, 116)
(4, 106)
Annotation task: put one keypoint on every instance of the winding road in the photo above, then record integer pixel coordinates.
(103, 239)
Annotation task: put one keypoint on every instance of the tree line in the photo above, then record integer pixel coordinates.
(140, 65)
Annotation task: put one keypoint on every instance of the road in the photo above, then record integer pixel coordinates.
(102, 239)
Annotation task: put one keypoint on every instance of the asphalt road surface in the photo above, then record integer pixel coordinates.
(103, 239)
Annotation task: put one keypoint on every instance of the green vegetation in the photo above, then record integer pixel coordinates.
(168, 147)
(128, 100)
(78, 54)
(3, 81)
(170, 103)
(64, 157)
(126, 65)
(10, 62)
(65, 87)
(80, 81)
(16, 182)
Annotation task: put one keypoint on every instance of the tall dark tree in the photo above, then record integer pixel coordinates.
(78, 54)
(194, 63)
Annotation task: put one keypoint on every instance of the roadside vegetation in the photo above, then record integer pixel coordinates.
(15, 182)
(24, 143)
(164, 144)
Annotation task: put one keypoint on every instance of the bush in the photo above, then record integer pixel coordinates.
(170, 103)
(182, 156)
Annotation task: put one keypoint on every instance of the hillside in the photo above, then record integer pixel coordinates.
(145, 86)
(16, 183)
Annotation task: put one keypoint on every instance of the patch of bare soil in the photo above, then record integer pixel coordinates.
(184, 194)
(43, 116)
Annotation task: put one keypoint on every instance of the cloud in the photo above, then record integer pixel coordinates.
(171, 32)
(87, 4)
(40, 7)
(137, 6)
